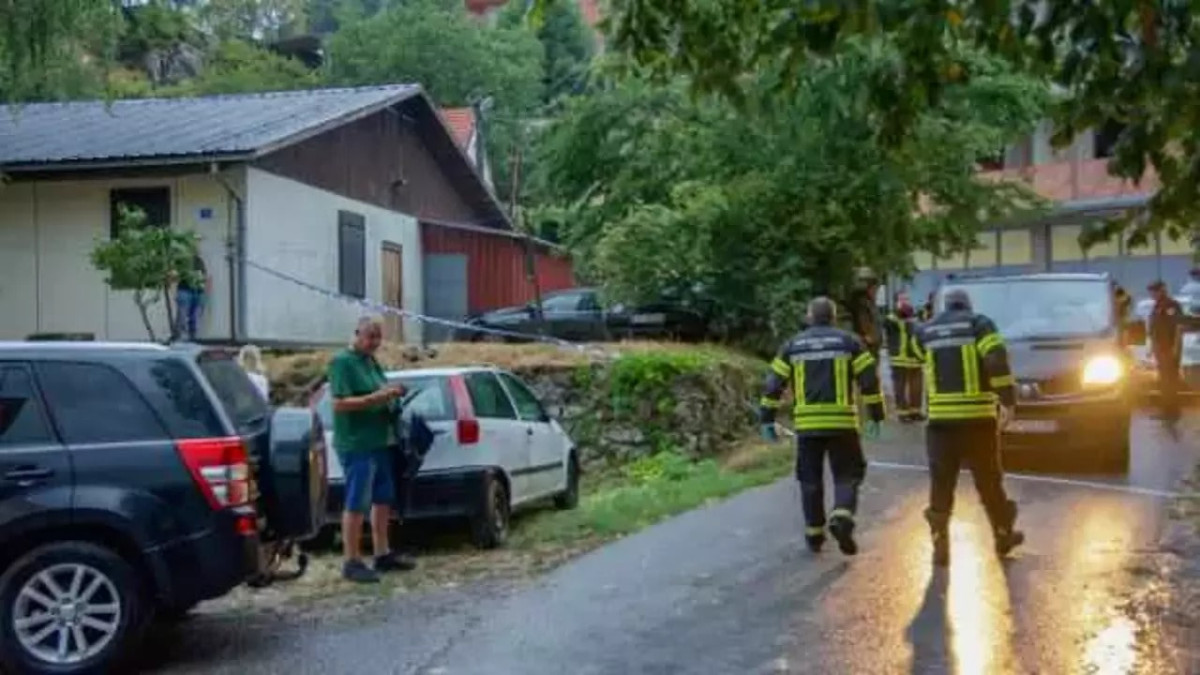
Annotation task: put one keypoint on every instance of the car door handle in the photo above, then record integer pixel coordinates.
(27, 474)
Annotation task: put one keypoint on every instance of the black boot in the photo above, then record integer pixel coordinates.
(939, 528)
(1006, 535)
(842, 529)
(815, 542)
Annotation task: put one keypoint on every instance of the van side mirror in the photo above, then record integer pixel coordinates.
(1134, 333)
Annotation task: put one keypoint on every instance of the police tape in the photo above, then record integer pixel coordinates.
(381, 308)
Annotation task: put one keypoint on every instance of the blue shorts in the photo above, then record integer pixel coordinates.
(369, 479)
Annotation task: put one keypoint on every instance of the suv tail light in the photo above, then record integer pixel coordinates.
(467, 427)
(221, 469)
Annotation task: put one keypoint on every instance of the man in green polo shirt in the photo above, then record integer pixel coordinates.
(364, 410)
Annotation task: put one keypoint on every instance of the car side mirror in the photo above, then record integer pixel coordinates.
(1134, 333)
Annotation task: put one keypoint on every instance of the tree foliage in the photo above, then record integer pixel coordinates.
(458, 60)
(238, 66)
(566, 43)
(45, 45)
(146, 259)
(257, 19)
(750, 211)
(1131, 61)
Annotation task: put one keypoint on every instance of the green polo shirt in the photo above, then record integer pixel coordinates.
(354, 374)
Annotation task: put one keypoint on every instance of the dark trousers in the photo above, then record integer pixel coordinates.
(1169, 380)
(848, 466)
(976, 444)
(907, 385)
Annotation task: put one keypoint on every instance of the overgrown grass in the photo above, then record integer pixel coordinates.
(654, 488)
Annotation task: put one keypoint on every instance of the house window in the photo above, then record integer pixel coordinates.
(155, 202)
(1105, 139)
(352, 254)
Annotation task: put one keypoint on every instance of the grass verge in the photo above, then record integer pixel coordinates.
(615, 503)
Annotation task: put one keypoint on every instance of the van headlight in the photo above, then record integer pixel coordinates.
(1102, 370)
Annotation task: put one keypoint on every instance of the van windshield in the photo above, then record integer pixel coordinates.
(1033, 308)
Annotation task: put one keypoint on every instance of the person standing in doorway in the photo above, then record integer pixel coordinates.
(364, 435)
(191, 292)
(1166, 342)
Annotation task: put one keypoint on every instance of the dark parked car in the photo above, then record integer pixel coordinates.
(137, 480)
(580, 314)
(1069, 355)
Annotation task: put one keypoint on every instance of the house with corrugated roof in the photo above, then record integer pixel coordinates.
(302, 201)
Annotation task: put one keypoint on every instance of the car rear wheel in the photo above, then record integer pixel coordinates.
(569, 498)
(489, 527)
(69, 607)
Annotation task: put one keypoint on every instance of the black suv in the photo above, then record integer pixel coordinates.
(137, 480)
(1069, 352)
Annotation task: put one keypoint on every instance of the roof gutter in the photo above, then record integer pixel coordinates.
(122, 163)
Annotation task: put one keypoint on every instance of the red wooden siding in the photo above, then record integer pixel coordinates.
(496, 265)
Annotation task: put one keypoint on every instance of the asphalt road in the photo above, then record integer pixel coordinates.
(729, 589)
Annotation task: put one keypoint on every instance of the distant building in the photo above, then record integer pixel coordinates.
(1076, 179)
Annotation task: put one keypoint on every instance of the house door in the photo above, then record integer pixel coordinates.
(392, 268)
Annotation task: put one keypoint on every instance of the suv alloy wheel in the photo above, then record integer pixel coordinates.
(69, 607)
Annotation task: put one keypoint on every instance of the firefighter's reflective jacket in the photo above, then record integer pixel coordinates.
(820, 367)
(966, 366)
(898, 332)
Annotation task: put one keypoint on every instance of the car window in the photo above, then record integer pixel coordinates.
(488, 397)
(235, 390)
(178, 397)
(94, 403)
(22, 421)
(563, 302)
(432, 399)
(1023, 308)
(528, 405)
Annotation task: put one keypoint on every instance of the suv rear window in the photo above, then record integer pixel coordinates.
(237, 393)
(93, 403)
(174, 391)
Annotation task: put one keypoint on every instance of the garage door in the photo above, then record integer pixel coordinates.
(445, 292)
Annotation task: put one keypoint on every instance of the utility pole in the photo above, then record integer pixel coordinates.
(516, 215)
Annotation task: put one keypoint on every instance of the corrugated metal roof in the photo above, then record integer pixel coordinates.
(179, 128)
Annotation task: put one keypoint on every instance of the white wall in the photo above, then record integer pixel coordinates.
(49, 228)
(293, 228)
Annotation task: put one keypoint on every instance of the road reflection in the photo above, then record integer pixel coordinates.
(977, 603)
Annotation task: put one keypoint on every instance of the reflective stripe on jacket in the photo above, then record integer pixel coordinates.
(821, 367)
(899, 342)
(966, 366)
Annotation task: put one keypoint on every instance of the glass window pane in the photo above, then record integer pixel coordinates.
(528, 405)
(22, 421)
(236, 391)
(93, 403)
(983, 256)
(432, 399)
(488, 397)
(1064, 242)
(1016, 247)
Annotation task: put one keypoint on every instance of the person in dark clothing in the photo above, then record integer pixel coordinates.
(1166, 342)
(819, 366)
(926, 311)
(906, 369)
(191, 291)
(864, 313)
(966, 364)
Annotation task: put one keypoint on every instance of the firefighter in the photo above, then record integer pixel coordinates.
(926, 312)
(906, 369)
(820, 366)
(966, 371)
(1166, 342)
(864, 314)
(1123, 301)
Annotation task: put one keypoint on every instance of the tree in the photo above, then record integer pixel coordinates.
(237, 66)
(255, 19)
(750, 211)
(47, 47)
(146, 258)
(457, 60)
(1127, 61)
(566, 44)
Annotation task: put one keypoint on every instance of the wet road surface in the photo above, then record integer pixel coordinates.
(729, 589)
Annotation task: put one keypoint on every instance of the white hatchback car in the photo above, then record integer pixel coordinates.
(496, 449)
